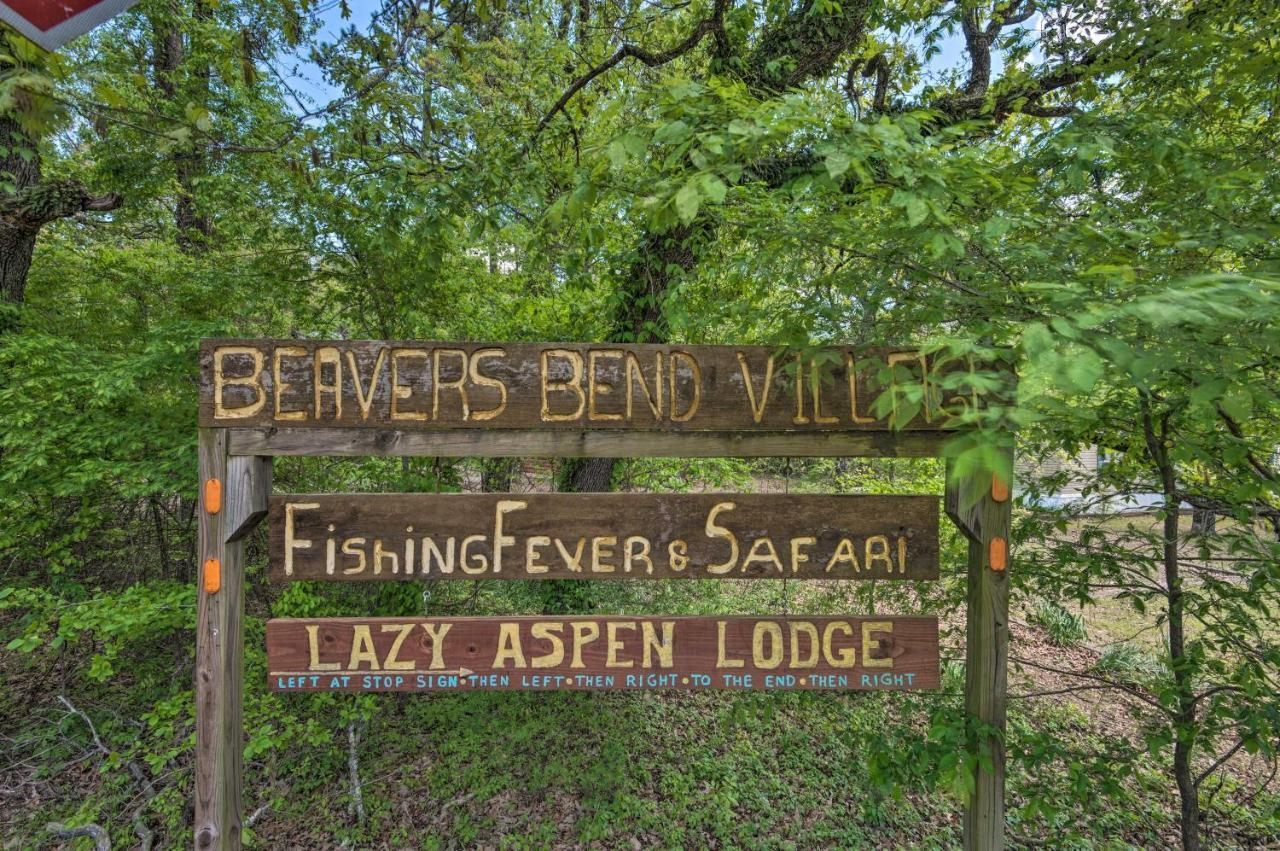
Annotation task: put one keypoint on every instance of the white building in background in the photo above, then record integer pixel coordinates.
(1080, 471)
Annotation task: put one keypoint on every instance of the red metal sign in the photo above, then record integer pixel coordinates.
(53, 23)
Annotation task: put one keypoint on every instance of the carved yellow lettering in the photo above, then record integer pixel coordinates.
(509, 648)
(482, 380)
(572, 561)
(842, 657)
(379, 554)
(696, 372)
(809, 631)
(221, 381)
(722, 656)
(798, 556)
(665, 648)
(291, 542)
(714, 531)
(925, 405)
(313, 643)
(757, 408)
(362, 649)
(762, 551)
(799, 418)
(573, 385)
(431, 553)
(459, 383)
(869, 627)
(281, 385)
(844, 553)
(815, 384)
(879, 553)
(327, 356)
(365, 399)
(393, 662)
(636, 549)
(435, 637)
(404, 391)
(548, 631)
(770, 630)
(678, 555)
(532, 556)
(634, 371)
(584, 632)
(504, 506)
(478, 563)
(354, 547)
(596, 386)
(851, 372)
(602, 549)
(613, 644)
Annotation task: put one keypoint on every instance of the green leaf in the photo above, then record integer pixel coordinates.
(1238, 404)
(688, 199)
(673, 132)
(1083, 370)
(917, 210)
(837, 163)
(714, 188)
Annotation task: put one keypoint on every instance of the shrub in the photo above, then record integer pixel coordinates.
(1128, 662)
(1064, 628)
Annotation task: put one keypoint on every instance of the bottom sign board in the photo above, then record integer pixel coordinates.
(548, 653)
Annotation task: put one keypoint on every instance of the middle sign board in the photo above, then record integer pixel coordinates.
(380, 537)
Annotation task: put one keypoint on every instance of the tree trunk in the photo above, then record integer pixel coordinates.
(194, 226)
(1203, 522)
(1185, 721)
(17, 246)
(33, 203)
(17, 236)
(1184, 717)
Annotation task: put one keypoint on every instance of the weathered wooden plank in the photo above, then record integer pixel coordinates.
(620, 652)
(413, 386)
(371, 537)
(513, 443)
(980, 506)
(233, 495)
(248, 485)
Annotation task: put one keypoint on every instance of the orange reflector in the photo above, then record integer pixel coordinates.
(999, 554)
(212, 576)
(999, 489)
(212, 496)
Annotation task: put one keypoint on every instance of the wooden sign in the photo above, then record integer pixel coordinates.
(570, 386)
(559, 653)
(367, 537)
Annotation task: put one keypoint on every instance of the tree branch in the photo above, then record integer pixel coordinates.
(50, 200)
(880, 67)
(101, 840)
(712, 25)
(1217, 763)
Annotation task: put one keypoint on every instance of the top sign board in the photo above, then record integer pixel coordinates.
(53, 23)
(569, 386)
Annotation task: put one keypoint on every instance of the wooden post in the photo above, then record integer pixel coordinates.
(233, 498)
(981, 507)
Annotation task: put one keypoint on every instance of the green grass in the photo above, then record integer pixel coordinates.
(1064, 628)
